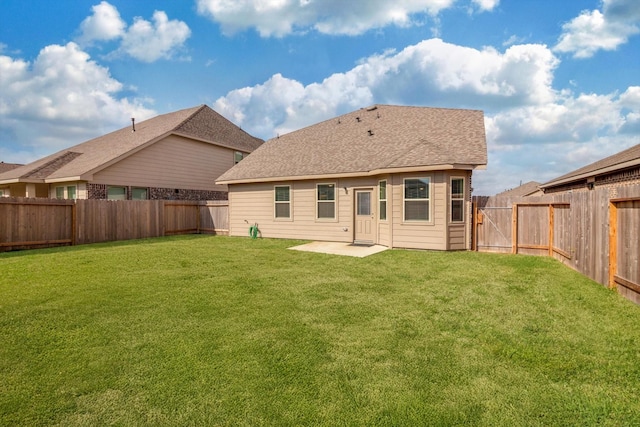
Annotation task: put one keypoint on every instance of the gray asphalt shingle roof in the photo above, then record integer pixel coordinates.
(199, 122)
(371, 139)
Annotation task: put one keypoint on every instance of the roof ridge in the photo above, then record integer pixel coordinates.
(189, 117)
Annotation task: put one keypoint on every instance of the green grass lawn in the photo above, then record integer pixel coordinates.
(200, 330)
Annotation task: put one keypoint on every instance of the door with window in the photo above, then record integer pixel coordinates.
(365, 223)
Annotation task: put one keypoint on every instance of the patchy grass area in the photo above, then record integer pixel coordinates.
(199, 330)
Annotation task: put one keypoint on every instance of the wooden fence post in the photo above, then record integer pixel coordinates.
(551, 224)
(514, 229)
(613, 243)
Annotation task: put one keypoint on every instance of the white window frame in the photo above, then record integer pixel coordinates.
(334, 201)
(427, 200)
(457, 199)
(381, 199)
(281, 202)
(66, 192)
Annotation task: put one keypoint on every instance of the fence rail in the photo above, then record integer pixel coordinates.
(595, 232)
(38, 223)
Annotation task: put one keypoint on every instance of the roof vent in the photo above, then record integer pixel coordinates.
(358, 119)
(370, 132)
(133, 124)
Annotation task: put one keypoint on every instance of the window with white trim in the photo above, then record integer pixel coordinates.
(68, 192)
(417, 199)
(382, 200)
(457, 199)
(326, 201)
(282, 201)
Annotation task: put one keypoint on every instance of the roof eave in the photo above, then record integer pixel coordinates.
(22, 180)
(602, 171)
(65, 179)
(373, 172)
(208, 141)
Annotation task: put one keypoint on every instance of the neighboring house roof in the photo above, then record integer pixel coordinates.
(526, 189)
(370, 141)
(81, 161)
(622, 160)
(4, 167)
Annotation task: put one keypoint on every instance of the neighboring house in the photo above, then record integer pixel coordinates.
(172, 156)
(621, 168)
(390, 175)
(5, 167)
(531, 188)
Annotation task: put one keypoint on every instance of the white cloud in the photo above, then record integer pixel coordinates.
(596, 30)
(281, 17)
(104, 24)
(62, 98)
(431, 72)
(149, 42)
(144, 40)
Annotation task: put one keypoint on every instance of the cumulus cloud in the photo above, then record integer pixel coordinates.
(281, 17)
(595, 30)
(104, 24)
(61, 98)
(431, 72)
(144, 40)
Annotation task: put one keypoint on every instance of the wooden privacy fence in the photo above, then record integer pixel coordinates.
(596, 232)
(37, 223)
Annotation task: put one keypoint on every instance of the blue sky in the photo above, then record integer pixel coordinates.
(559, 81)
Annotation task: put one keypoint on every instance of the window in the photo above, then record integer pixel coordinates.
(382, 198)
(117, 193)
(237, 157)
(71, 192)
(457, 199)
(326, 201)
(416, 199)
(139, 193)
(282, 201)
(59, 192)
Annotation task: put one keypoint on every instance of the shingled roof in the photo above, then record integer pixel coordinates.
(622, 160)
(4, 167)
(369, 141)
(526, 189)
(82, 160)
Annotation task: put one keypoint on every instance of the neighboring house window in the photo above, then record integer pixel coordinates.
(417, 199)
(237, 156)
(2, 194)
(139, 193)
(66, 192)
(282, 201)
(383, 200)
(117, 193)
(326, 201)
(457, 199)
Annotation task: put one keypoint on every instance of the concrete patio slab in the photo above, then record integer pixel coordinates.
(340, 248)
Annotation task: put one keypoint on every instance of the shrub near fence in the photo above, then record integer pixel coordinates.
(575, 228)
(37, 223)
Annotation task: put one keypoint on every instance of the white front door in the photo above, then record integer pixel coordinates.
(365, 217)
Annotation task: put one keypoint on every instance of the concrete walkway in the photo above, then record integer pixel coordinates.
(338, 248)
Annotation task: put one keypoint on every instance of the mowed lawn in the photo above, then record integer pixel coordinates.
(202, 330)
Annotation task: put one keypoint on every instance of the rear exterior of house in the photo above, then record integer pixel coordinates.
(175, 156)
(388, 175)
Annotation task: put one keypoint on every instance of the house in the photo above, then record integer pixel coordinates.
(4, 167)
(618, 169)
(531, 188)
(172, 156)
(391, 175)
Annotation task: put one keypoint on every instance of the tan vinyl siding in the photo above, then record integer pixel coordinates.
(174, 162)
(457, 237)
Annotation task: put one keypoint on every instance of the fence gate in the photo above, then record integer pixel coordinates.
(492, 228)
(624, 245)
